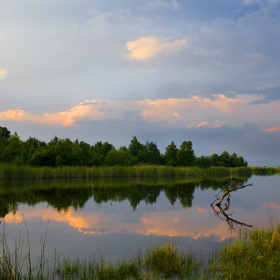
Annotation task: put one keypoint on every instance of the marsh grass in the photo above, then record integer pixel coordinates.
(257, 170)
(254, 255)
(165, 261)
(14, 172)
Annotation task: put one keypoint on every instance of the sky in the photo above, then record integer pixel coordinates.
(160, 70)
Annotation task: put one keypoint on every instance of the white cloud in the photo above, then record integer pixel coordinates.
(159, 4)
(3, 74)
(148, 47)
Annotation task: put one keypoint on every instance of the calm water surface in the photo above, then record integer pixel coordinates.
(116, 219)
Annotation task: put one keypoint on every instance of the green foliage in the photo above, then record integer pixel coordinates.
(64, 152)
(186, 155)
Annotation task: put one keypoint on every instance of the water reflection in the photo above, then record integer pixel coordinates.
(64, 194)
(117, 216)
(220, 211)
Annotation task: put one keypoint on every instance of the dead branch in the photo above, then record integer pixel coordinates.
(230, 188)
(220, 212)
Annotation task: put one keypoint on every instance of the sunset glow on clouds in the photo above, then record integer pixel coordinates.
(3, 74)
(148, 47)
(174, 111)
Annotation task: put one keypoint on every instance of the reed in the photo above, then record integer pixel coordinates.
(257, 170)
(255, 255)
(13, 172)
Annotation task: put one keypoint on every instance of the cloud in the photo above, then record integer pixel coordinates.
(201, 124)
(15, 115)
(3, 74)
(273, 205)
(273, 129)
(160, 4)
(194, 111)
(148, 47)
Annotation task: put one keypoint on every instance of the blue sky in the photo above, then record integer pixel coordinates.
(161, 70)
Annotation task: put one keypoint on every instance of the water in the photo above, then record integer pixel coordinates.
(116, 219)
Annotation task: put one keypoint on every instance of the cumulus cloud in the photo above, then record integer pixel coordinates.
(192, 112)
(15, 115)
(148, 47)
(3, 74)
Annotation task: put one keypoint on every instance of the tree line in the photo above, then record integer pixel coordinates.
(64, 152)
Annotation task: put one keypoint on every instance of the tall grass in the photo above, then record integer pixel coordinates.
(12, 172)
(255, 255)
(257, 170)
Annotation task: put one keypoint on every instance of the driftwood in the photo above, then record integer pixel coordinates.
(220, 211)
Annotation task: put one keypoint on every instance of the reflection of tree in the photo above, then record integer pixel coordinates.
(184, 192)
(73, 193)
(221, 211)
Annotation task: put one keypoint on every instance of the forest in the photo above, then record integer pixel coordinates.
(64, 152)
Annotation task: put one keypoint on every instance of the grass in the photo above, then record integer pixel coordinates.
(257, 170)
(13, 172)
(255, 255)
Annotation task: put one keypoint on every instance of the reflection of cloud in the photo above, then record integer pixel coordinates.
(13, 218)
(273, 205)
(201, 210)
(147, 47)
(3, 74)
(161, 224)
(273, 129)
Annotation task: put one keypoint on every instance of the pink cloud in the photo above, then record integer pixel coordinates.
(201, 124)
(273, 205)
(15, 115)
(201, 210)
(273, 129)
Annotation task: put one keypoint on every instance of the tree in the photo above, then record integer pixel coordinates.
(214, 160)
(135, 146)
(224, 159)
(152, 153)
(203, 162)
(5, 132)
(171, 154)
(122, 157)
(186, 155)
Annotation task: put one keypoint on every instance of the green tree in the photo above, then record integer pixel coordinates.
(186, 155)
(203, 162)
(214, 158)
(121, 157)
(135, 146)
(224, 159)
(152, 154)
(171, 154)
(4, 132)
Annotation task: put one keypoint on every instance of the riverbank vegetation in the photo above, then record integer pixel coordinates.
(64, 152)
(15, 172)
(255, 255)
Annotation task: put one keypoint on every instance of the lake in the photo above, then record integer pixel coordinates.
(117, 218)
